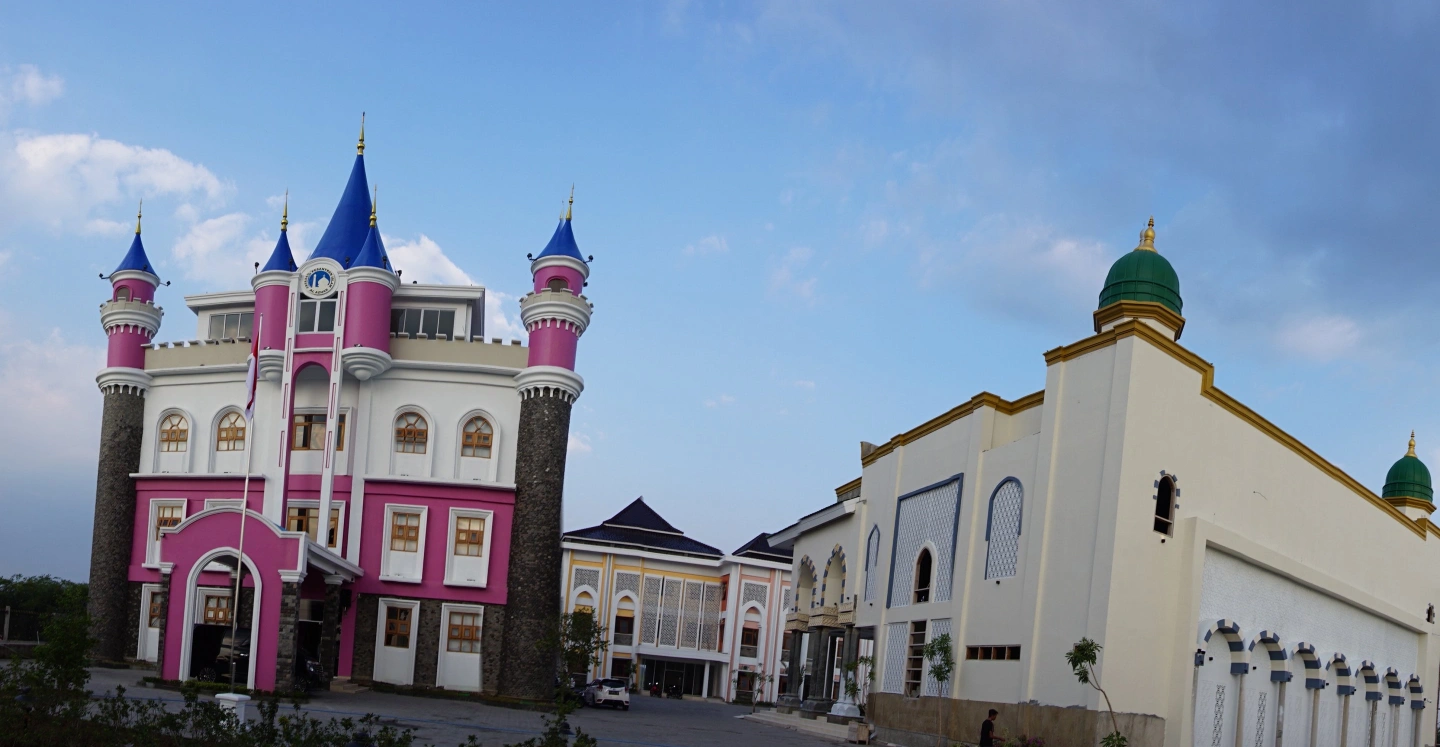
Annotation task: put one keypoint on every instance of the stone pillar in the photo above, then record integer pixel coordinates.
(121, 427)
(845, 708)
(816, 703)
(164, 595)
(789, 701)
(330, 626)
(532, 607)
(285, 642)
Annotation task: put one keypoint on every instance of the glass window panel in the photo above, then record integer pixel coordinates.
(447, 323)
(247, 324)
(307, 316)
(431, 323)
(232, 326)
(217, 326)
(327, 317)
(397, 320)
(412, 322)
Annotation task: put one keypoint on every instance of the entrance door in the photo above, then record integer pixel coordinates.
(395, 641)
(151, 603)
(459, 667)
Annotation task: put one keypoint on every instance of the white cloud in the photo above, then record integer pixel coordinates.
(61, 180)
(218, 251)
(50, 387)
(1323, 337)
(787, 278)
(723, 400)
(579, 443)
(423, 261)
(713, 244)
(26, 85)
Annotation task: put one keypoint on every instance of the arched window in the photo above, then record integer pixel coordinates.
(1002, 531)
(122, 294)
(174, 433)
(477, 438)
(230, 433)
(411, 433)
(923, 567)
(1165, 505)
(557, 284)
(872, 562)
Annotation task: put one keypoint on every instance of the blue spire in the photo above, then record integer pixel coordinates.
(373, 253)
(562, 244)
(349, 225)
(135, 259)
(281, 259)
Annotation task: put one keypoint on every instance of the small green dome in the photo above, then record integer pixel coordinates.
(1143, 275)
(1409, 478)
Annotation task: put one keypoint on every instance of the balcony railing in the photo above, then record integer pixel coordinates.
(749, 652)
(624, 639)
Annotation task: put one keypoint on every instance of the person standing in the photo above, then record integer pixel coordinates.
(987, 729)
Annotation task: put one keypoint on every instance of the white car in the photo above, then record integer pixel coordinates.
(609, 691)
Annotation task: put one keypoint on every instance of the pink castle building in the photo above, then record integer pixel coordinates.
(396, 460)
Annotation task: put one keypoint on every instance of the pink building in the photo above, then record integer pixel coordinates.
(393, 452)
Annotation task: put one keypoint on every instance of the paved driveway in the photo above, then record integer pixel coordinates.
(650, 722)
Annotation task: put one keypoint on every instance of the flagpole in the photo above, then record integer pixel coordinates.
(251, 384)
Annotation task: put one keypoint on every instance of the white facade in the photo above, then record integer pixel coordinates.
(1040, 516)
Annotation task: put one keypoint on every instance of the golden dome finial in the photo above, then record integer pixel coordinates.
(1411, 452)
(360, 149)
(138, 212)
(285, 216)
(1147, 237)
(374, 202)
(571, 204)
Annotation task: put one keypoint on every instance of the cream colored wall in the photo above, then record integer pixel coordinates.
(818, 544)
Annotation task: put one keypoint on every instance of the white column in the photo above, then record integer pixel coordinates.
(332, 409)
(705, 686)
(359, 465)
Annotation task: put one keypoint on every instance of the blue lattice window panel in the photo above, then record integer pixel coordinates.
(1002, 531)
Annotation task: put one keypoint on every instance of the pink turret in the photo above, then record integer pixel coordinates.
(556, 313)
(371, 284)
(131, 317)
(272, 290)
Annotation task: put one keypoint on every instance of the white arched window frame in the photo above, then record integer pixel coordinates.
(1002, 529)
(217, 458)
(172, 460)
(872, 562)
(489, 467)
(409, 463)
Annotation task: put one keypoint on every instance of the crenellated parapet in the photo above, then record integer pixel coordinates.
(123, 380)
(549, 381)
(131, 316)
(556, 308)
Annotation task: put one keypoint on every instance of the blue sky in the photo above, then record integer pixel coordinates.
(813, 224)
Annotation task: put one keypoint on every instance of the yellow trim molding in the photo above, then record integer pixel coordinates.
(1404, 502)
(1208, 390)
(1140, 310)
(847, 487)
(983, 399)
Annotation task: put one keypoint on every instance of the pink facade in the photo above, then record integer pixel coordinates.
(127, 347)
(367, 316)
(140, 290)
(572, 277)
(272, 303)
(553, 345)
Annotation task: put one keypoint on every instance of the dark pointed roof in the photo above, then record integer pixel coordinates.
(135, 259)
(562, 243)
(282, 258)
(760, 549)
(637, 525)
(350, 225)
(373, 253)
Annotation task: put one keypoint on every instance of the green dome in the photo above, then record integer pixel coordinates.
(1409, 478)
(1143, 275)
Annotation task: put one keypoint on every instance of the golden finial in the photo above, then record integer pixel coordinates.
(1411, 452)
(138, 212)
(1147, 237)
(285, 216)
(360, 149)
(374, 202)
(571, 204)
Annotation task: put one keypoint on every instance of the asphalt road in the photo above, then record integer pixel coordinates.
(650, 722)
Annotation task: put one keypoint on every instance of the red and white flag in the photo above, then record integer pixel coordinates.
(252, 371)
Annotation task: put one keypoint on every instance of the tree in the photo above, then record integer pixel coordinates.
(579, 642)
(852, 687)
(1081, 658)
(942, 664)
(761, 679)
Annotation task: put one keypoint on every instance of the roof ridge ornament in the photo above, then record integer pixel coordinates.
(571, 204)
(360, 149)
(1411, 452)
(285, 215)
(1147, 238)
(138, 212)
(374, 203)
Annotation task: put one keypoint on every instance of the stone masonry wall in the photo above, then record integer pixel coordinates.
(915, 722)
(134, 597)
(427, 633)
(121, 428)
(285, 645)
(362, 666)
(533, 599)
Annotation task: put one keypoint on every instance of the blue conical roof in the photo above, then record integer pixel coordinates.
(135, 259)
(373, 253)
(562, 244)
(350, 224)
(281, 259)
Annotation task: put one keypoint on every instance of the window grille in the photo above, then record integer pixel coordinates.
(477, 438)
(397, 627)
(627, 582)
(894, 657)
(405, 532)
(174, 433)
(469, 536)
(464, 633)
(411, 433)
(924, 517)
(670, 612)
(710, 618)
(167, 516)
(587, 577)
(872, 562)
(751, 592)
(690, 631)
(1003, 530)
(650, 621)
(230, 434)
(217, 610)
(937, 629)
(309, 432)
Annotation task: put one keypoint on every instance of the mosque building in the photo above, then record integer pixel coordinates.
(401, 474)
(1246, 591)
(681, 615)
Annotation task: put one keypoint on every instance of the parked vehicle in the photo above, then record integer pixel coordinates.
(654, 689)
(234, 651)
(673, 691)
(610, 691)
(310, 675)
